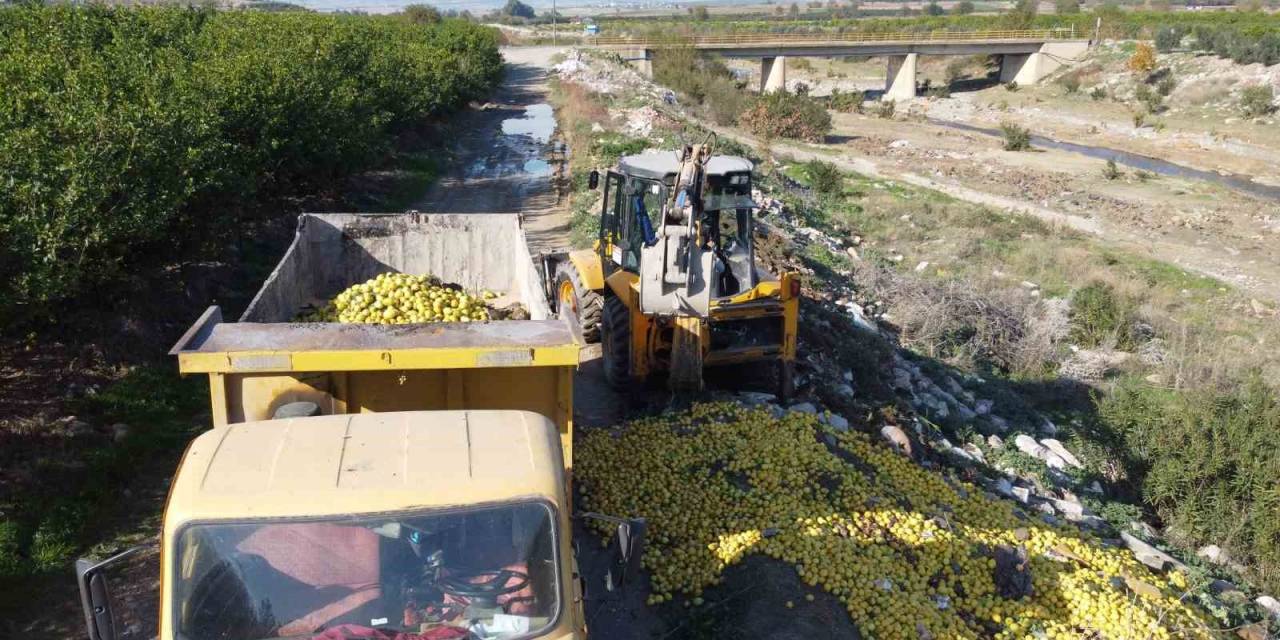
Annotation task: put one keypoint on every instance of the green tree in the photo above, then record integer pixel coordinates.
(1022, 15)
(1066, 6)
(421, 14)
(699, 12)
(963, 8)
(794, 10)
(933, 8)
(517, 9)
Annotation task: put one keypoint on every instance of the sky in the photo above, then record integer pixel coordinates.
(391, 6)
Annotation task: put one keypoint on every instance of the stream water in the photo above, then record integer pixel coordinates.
(1137, 161)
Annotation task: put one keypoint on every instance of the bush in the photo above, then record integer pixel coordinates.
(955, 70)
(1205, 461)
(143, 134)
(703, 80)
(1143, 59)
(1149, 99)
(787, 115)
(1110, 171)
(1257, 101)
(1070, 82)
(885, 109)
(1166, 84)
(963, 8)
(1099, 316)
(824, 177)
(846, 101)
(1066, 6)
(1169, 38)
(1016, 138)
(1098, 93)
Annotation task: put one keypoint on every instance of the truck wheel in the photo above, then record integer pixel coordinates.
(573, 296)
(615, 342)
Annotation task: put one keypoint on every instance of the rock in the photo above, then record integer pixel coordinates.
(1095, 487)
(983, 407)
(901, 379)
(853, 254)
(77, 427)
(924, 264)
(1149, 555)
(1057, 447)
(1213, 553)
(963, 455)
(1028, 445)
(1069, 509)
(1143, 529)
(897, 439)
(974, 451)
(1226, 590)
(1270, 605)
(845, 390)
(860, 318)
(755, 398)
(596, 128)
(803, 407)
(999, 423)
(119, 431)
(1092, 521)
(838, 422)
(965, 413)
(995, 442)
(1022, 494)
(1045, 508)
(1004, 487)
(1255, 631)
(1048, 428)
(900, 144)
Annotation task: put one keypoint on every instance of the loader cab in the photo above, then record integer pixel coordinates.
(634, 195)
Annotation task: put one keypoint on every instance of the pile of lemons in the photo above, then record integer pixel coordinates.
(909, 552)
(400, 298)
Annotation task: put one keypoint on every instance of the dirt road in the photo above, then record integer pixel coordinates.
(504, 157)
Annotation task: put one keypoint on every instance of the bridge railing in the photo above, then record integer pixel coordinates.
(834, 37)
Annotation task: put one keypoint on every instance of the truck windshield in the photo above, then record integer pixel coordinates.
(486, 572)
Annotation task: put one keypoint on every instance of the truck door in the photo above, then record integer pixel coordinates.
(610, 218)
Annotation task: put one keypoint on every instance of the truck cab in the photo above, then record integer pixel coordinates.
(442, 524)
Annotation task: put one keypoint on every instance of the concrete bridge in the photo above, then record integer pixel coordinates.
(1026, 55)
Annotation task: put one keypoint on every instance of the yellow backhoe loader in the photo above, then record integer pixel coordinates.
(672, 283)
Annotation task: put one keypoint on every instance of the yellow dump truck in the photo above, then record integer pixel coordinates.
(376, 481)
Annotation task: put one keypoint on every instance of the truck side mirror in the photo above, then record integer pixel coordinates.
(628, 547)
(95, 596)
(593, 180)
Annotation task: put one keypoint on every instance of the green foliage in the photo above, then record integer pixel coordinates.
(703, 80)
(134, 134)
(1166, 84)
(1242, 44)
(421, 14)
(963, 8)
(518, 9)
(12, 564)
(1016, 138)
(1207, 464)
(699, 12)
(846, 101)
(1257, 101)
(787, 115)
(885, 109)
(1169, 38)
(1062, 7)
(955, 70)
(824, 177)
(1021, 16)
(1098, 93)
(1099, 316)
(1069, 81)
(1110, 171)
(933, 9)
(1149, 98)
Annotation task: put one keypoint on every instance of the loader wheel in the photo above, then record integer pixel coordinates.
(574, 297)
(615, 342)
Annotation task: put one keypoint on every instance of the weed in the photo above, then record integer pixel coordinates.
(1070, 82)
(1099, 316)
(824, 177)
(846, 101)
(1257, 101)
(1166, 84)
(1016, 138)
(1143, 59)
(885, 109)
(1149, 99)
(1110, 171)
(787, 115)
(1011, 86)
(1098, 93)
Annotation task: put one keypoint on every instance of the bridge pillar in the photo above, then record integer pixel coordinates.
(900, 83)
(773, 74)
(641, 59)
(1030, 68)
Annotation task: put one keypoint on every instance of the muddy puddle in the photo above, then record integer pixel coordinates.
(520, 148)
(1137, 161)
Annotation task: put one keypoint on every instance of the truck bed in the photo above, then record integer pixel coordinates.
(331, 252)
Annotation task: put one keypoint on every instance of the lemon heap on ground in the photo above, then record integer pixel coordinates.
(908, 551)
(400, 298)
